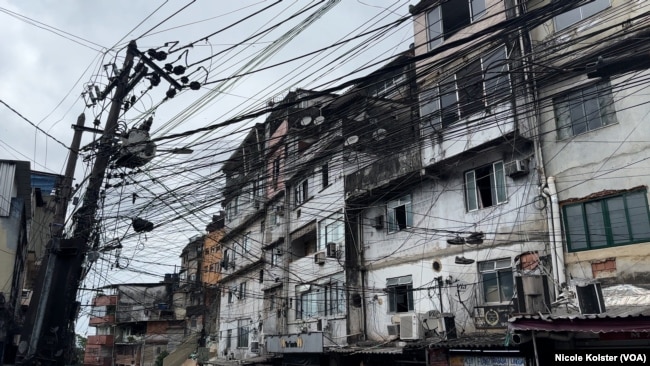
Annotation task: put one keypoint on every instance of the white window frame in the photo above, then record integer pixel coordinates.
(391, 214)
(438, 27)
(567, 125)
(301, 192)
(472, 199)
(432, 110)
(331, 230)
(583, 12)
(498, 267)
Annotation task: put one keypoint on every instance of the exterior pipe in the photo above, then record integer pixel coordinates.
(555, 235)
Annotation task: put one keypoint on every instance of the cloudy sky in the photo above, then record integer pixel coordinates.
(54, 50)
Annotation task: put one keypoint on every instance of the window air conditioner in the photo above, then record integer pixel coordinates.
(277, 251)
(331, 250)
(393, 329)
(319, 258)
(410, 327)
(517, 168)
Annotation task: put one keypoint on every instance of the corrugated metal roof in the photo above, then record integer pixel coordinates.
(613, 312)
(368, 350)
(474, 340)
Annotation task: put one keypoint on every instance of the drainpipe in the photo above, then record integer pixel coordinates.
(555, 235)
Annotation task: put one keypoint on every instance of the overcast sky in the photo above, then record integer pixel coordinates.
(53, 49)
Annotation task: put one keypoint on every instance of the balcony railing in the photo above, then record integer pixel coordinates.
(101, 339)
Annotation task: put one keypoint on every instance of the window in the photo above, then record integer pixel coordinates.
(242, 290)
(244, 242)
(448, 18)
(320, 300)
(228, 338)
(231, 209)
(496, 280)
(485, 186)
(387, 85)
(331, 230)
(584, 110)
(276, 171)
(571, 17)
(325, 175)
(301, 192)
(610, 221)
(274, 257)
(400, 215)
(479, 85)
(400, 294)
(261, 278)
(230, 296)
(242, 333)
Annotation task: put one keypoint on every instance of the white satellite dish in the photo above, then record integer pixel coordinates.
(318, 120)
(380, 134)
(351, 140)
(305, 121)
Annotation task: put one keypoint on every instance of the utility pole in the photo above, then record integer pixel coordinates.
(48, 333)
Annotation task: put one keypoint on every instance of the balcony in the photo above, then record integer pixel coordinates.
(101, 340)
(101, 320)
(105, 300)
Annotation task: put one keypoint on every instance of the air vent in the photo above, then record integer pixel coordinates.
(393, 330)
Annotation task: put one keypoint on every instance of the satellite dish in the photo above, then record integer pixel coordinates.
(351, 140)
(305, 121)
(380, 134)
(318, 120)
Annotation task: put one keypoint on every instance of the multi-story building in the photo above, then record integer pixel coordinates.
(241, 268)
(591, 112)
(134, 324)
(189, 296)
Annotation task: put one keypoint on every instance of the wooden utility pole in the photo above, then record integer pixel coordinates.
(48, 332)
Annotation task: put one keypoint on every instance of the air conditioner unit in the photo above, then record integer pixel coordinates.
(533, 294)
(517, 168)
(319, 258)
(379, 222)
(393, 329)
(322, 325)
(277, 251)
(255, 346)
(331, 250)
(590, 299)
(410, 327)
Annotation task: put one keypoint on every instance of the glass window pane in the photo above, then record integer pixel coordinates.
(592, 110)
(637, 210)
(392, 223)
(596, 224)
(429, 111)
(506, 285)
(500, 180)
(575, 229)
(410, 298)
(470, 191)
(486, 266)
(564, 20)
(490, 287)
(577, 113)
(409, 215)
(606, 104)
(435, 28)
(593, 8)
(448, 101)
(618, 220)
(470, 88)
(497, 82)
(503, 263)
(478, 8)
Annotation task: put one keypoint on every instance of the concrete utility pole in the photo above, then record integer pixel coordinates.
(48, 333)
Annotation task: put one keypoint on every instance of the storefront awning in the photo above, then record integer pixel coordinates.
(615, 319)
